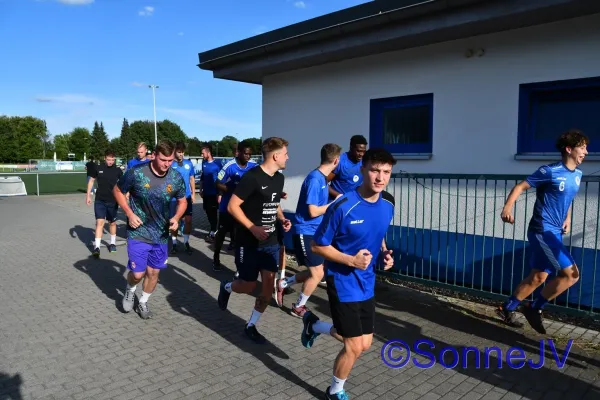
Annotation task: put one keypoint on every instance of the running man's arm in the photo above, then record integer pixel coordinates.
(312, 199)
(567, 224)
(193, 182)
(323, 239)
(89, 190)
(124, 185)
(221, 179)
(179, 188)
(243, 190)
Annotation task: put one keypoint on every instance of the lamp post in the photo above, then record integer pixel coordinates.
(153, 87)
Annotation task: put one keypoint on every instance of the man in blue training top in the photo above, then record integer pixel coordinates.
(347, 175)
(151, 185)
(208, 189)
(141, 158)
(186, 169)
(351, 239)
(556, 186)
(312, 204)
(227, 180)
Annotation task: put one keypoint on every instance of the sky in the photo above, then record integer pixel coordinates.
(73, 62)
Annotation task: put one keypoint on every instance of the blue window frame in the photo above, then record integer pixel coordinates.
(402, 125)
(547, 109)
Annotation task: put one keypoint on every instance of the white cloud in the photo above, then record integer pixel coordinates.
(68, 99)
(300, 4)
(208, 119)
(146, 11)
(75, 2)
(137, 84)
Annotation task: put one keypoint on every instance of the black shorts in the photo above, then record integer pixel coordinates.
(304, 253)
(105, 210)
(350, 319)
(188, 210)
(226, 221)
(249, 261)
(209, 201)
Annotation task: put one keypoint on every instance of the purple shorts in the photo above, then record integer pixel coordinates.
(142, 255)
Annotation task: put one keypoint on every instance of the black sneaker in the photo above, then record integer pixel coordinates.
(253, 334)
(308, 336)
(96, 252)
(534, 317)
(508, 317)
(188, 249)
(223, 298)
(173, 248)
(216, 265)
(112, 248)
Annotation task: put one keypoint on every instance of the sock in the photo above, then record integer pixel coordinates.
(289, 281)
(254, 318)
(186, 238)
(98, 242)
(145, 297)
(337, 385)
(302, 299)
(174, 238)
(131, 288)
(539, 303)
(511, 304)
(322, 327)
(113, 239)
(228, 287)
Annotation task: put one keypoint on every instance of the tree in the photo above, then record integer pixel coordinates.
(126, 142)
(61, 146)
(194, 147)
(79, 142)
(99, 141)
(22, 138)
(8, 138)
(140, 131)
(170, 131)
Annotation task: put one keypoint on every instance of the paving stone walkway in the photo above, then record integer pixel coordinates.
(63, 336)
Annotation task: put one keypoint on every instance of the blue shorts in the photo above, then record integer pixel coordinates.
(304, 254)
(104, 210)
(251, 260)
(173, 207)
(142, 255)
(548, 253)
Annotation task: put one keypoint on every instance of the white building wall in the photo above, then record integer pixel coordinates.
(475, 103)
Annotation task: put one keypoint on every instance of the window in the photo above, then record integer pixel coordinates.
(549, 108)
(402, 125)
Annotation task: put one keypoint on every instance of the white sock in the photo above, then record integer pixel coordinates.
(98, 242)
(174, 238)
(131, 288)
(337, 385)
(186, 238)
(228, 286)
(145, 297)
(322, 327)
(302, 299)
(254, 318)
(288, 282)
(113, 239)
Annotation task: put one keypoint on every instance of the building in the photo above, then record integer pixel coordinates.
(478, 86)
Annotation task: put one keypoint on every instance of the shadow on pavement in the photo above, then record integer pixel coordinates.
(10, 386)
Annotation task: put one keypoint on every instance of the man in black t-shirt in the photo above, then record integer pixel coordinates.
(255, 206)
(105, 206)
(90, 168)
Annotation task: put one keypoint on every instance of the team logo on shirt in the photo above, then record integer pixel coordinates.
(187, 166)
(355, 178)
(147, 186)
(577, 180)
(169, 188)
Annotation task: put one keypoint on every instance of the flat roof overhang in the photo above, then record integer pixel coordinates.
(362, 30)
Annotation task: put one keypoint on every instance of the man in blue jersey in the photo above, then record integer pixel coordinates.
(347, 175)
(186, 169)
(312, 204)
(141, 158)
(227, 180)
(556, 186)
(208, 188)
(351, 239)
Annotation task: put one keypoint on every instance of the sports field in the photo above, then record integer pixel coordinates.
(52, 182)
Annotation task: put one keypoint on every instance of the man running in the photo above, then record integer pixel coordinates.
(141, 158)
(347, 176)
(227, 180)
(90, 168)
(186, 169)
(152, 185)
(556, 186)
(312, 204)
(107, 175)
(208, 188)
(351, 239)
(255, 205)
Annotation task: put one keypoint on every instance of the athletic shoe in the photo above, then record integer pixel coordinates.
(324, 282)
(144, 311)
(534, 317)
(223, 298)
(112, 248)
(188, 249)
(236, 275)
(253, 334)
(216, 265)
(338, 396)
(96, 252)
(509, 317)
(308, 335)
(174, 249)
(279, 294)
(299, 311)
(128, 300)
